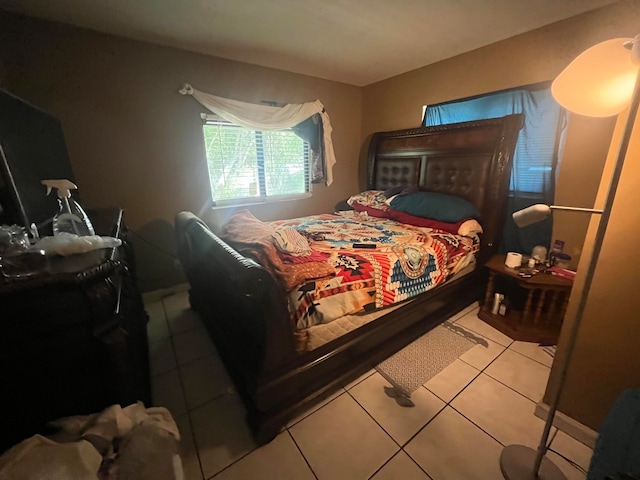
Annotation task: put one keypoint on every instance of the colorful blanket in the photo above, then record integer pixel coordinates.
(405, 261)
(254, 238)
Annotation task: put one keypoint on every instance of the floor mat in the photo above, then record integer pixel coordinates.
(423, 359)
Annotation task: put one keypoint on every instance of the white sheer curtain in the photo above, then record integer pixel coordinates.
(267, 117)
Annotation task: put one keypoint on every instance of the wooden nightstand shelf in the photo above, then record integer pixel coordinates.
(535, 305)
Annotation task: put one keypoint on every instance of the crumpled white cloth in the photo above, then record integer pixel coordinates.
(147, 448)
(38, 458)
(115, 421)
(289, 240)
(69, 244)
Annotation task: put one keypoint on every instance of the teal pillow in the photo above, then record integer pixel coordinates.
(437, 206)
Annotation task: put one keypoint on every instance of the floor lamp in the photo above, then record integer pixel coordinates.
(602, 81)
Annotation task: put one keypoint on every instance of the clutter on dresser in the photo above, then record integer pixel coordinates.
(17, 258)
(13, 238)
(74, 336)
(72, 231)
(71, 217)
(21, 257)
(70, 244)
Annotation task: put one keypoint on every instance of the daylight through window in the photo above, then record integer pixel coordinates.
(249, 166)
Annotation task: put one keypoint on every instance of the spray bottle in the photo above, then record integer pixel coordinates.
(71, 218)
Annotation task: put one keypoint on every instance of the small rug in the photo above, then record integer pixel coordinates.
(423, 359)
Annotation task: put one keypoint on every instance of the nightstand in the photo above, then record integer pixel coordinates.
(535, 305)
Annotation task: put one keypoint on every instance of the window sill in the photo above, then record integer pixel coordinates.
(259, 200)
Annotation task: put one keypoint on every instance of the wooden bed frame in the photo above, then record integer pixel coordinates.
(248, 319)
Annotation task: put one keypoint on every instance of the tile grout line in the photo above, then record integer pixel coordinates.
(466, 386)
(301, 452)
(445, 404)
(448, 403)
(554, 432)
(211, 400)
(394, 456)
(530, 358)
(376, 422)
(189, 409)
(184, 396)
(501, 383)
(297, 420)
(287, 428)
(429, 477)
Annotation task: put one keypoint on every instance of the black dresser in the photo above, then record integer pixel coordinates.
(73, 339)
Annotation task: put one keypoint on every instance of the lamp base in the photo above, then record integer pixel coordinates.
(517, 461)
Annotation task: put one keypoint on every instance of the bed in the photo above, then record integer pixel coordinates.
(277, 372)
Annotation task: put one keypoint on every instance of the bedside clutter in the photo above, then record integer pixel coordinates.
(532, 303)
(513, 260)
(562, 272)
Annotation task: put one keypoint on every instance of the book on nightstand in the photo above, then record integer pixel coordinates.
(562, 272)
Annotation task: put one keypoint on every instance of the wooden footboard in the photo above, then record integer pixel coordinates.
(239, 302)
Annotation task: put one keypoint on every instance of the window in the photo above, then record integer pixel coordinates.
(536, 155)
(254, 166)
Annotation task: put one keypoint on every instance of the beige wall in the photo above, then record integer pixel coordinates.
(579, 177)
(605, 360)
(529, 58)
(136, 143)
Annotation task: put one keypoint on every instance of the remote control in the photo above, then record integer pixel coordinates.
(364, 245)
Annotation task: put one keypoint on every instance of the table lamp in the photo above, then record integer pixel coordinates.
(602, 81)
(538, 212)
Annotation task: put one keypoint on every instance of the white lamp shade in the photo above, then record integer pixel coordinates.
(599, 82)
(530, 215)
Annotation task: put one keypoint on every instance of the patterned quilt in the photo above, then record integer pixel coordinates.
(405, 262)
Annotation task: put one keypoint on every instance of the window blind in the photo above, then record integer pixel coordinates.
(254, 164)
(535, 158)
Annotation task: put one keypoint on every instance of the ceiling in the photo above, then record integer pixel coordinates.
(358, 42)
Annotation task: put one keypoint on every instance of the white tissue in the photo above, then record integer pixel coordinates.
(69, 244)
(513, 260)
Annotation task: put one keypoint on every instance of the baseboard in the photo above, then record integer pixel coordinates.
(159, 294)
(568, 425)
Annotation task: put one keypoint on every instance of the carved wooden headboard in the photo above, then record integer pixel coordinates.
(471, 160)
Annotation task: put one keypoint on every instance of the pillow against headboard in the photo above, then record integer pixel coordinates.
(434, 205)
(371, 201)
(371, 211)
(369, 198)
(467, 228)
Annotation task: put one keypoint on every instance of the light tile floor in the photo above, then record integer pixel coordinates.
(462, 418)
